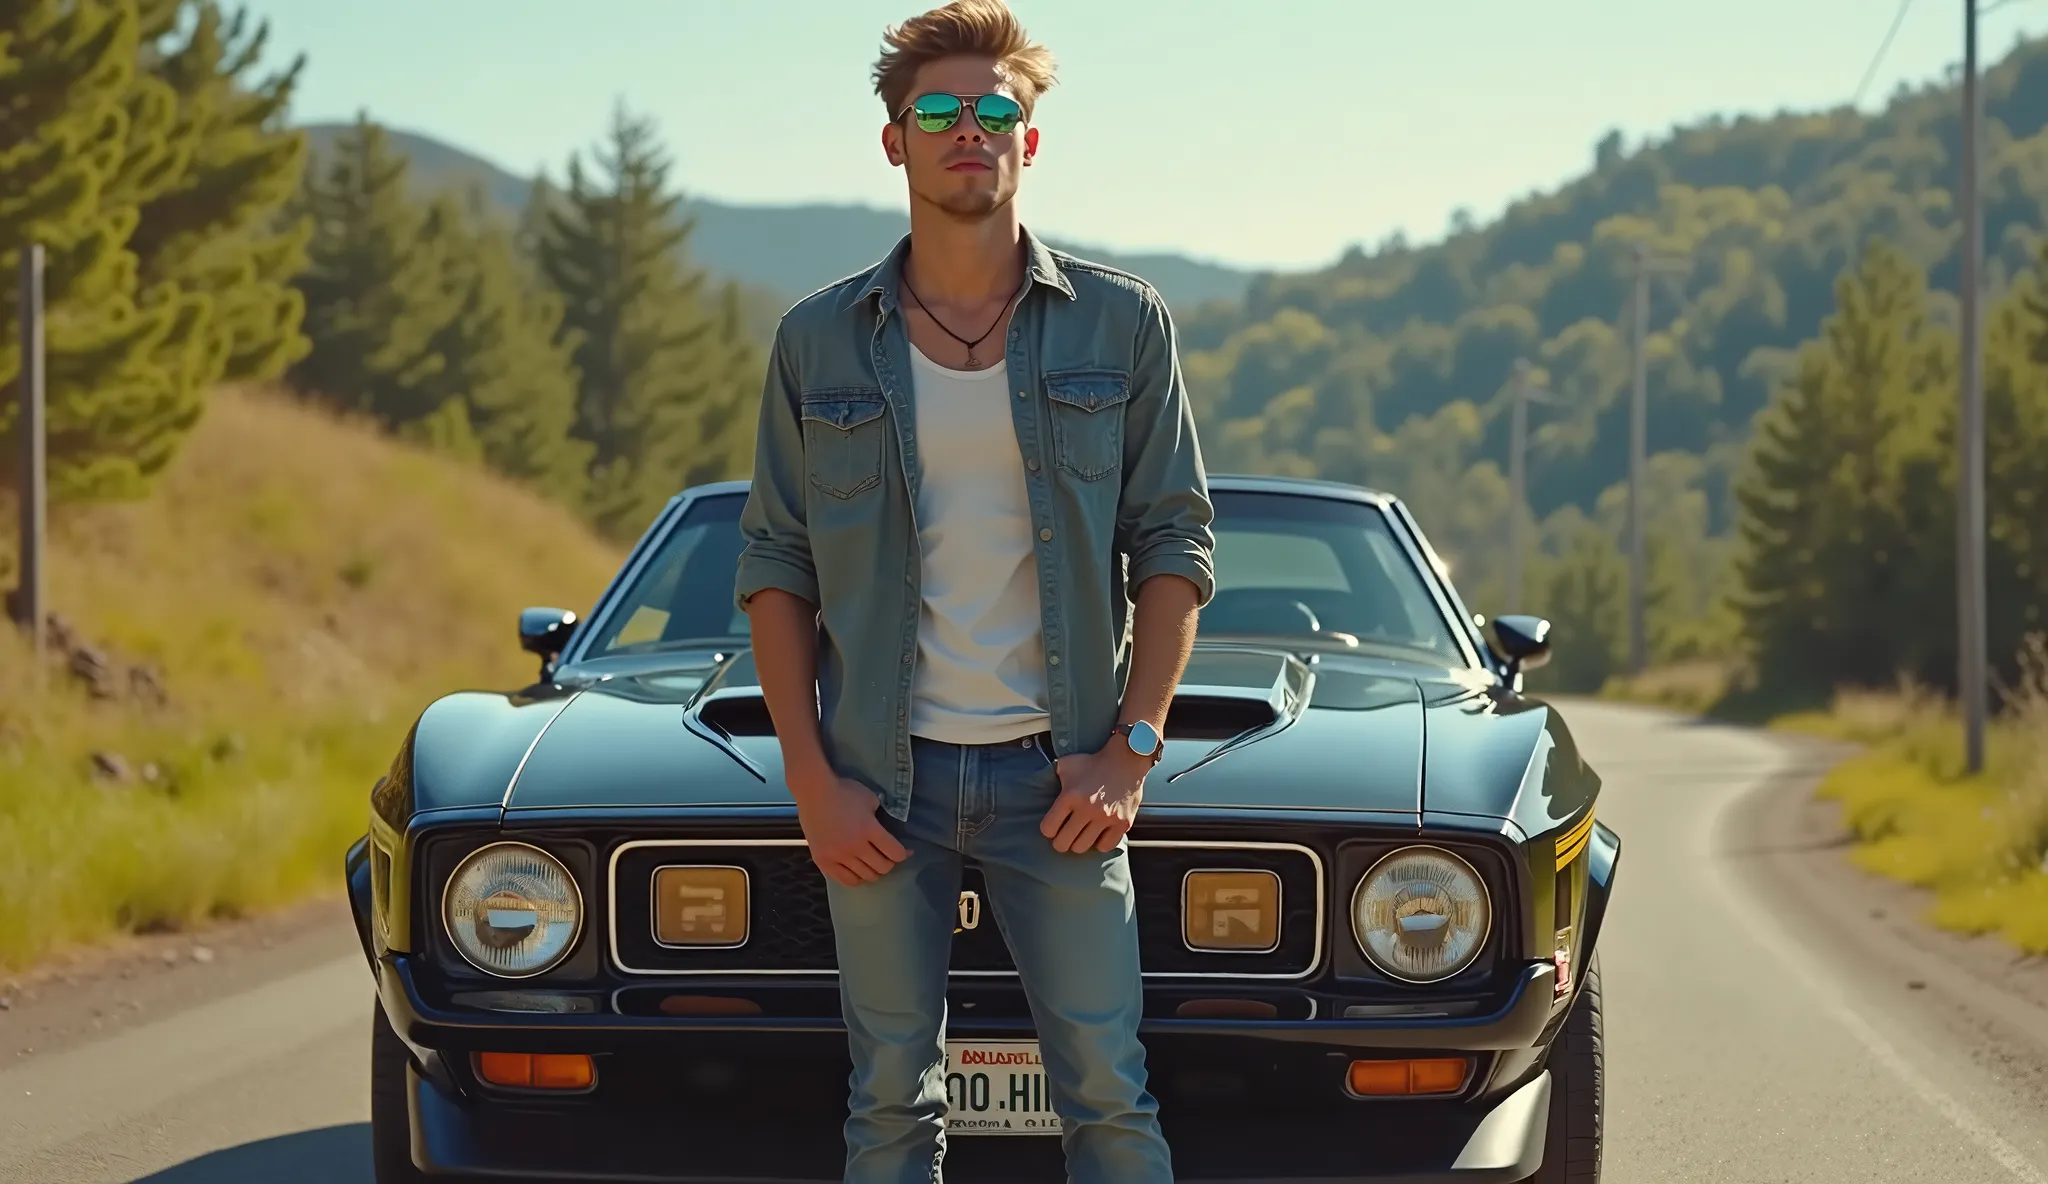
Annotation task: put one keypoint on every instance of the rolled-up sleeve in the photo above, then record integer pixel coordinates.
(778, 543)
(1164, 521)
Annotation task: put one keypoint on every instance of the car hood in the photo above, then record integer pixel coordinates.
(1250, 727)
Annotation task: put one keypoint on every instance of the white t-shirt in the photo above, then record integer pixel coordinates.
(980, 676)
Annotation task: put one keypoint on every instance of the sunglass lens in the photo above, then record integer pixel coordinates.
(936, 113)
(999, 115)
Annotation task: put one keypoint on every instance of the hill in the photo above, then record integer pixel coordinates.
(1392, 367)
(787, 251)
(243, 653)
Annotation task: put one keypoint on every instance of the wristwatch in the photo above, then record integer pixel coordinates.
(1143, 739)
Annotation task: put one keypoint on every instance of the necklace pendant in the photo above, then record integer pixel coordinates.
(973, 363)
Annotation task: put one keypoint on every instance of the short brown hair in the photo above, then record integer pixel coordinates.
(964, 28)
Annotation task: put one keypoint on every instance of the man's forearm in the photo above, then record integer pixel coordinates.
(785, 633)
(1163, 634)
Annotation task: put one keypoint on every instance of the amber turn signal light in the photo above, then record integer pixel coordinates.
(542, 1070)
(1385, 1079)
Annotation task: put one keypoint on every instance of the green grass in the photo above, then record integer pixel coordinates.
(303, 588)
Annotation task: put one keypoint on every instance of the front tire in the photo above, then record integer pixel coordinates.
(1578, 1092)
(390, 1115)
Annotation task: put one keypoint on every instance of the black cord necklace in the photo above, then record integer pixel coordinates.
(972, 362)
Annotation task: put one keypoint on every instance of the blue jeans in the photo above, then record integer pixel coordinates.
(1071, 925)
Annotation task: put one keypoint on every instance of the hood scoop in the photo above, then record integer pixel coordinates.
(738, 712)
(1217, 717)
(1236, 697)
(730, 706)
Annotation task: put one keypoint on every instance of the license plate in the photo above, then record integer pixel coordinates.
(997, 1087)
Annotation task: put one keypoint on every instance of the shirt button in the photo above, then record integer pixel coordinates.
(1045, 535)
(1032, 465)
(1054, 659)
(1022, 395)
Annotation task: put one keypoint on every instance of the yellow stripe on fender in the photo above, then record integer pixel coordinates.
(1573, 841)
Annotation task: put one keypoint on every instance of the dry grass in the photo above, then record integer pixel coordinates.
(1980, 843)
(1696, 685)
(303, 588)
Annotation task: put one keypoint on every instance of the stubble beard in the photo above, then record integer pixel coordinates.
(971, 205)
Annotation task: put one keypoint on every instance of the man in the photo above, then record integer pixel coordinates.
(977, 541)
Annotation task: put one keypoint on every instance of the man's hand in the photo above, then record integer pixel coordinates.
(1099, 796)
(848, 843)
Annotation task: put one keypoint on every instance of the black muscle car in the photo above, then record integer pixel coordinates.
(1370, 884)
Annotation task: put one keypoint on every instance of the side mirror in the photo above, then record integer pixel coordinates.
(545, 631)
(1523, 640)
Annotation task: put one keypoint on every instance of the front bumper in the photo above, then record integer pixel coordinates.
(1517, 1020)
(1422, 1143)
(637, 1128)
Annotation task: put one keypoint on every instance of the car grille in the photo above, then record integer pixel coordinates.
(790, 926)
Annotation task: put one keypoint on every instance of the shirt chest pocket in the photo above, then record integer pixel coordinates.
(1088, 420)
(843, 434)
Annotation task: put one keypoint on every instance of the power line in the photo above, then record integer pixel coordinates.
(1834, 143)
(1884, 47)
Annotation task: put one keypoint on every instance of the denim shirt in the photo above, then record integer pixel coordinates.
(1114, 476)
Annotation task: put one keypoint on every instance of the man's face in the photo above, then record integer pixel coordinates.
(963, 170)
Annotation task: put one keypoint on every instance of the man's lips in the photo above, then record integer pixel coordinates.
(969, 166)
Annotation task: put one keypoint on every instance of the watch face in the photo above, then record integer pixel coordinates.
(1144, 738)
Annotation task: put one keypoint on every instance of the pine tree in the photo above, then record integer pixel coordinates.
(663, 386)
(85, 141)
(1835, 564)
(376, 289)
(220, 228)
(507, 389)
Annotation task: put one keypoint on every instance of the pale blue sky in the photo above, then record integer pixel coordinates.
(1266, 132)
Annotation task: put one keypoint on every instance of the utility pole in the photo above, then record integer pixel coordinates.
(28, 387)
(1972, 666)
(1638, 435)
(1518, 475)
(1638, 438)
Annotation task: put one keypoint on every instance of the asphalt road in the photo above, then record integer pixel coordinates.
(1772, 1017)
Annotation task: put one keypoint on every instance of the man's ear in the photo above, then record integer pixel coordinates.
(1030, 144)
(892, 143)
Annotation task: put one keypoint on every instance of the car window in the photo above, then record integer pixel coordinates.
(683, 595)
(1320, 568)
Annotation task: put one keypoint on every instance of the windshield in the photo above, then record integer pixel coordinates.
(1287, 566)
(1313, 567)
(683, 596)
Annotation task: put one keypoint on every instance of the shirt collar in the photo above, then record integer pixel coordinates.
(886, 280)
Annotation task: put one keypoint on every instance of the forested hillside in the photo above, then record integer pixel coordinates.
(783, 251)
(1392, 366)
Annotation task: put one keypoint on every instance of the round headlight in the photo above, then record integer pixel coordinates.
(1421, 914)
(512, 910)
